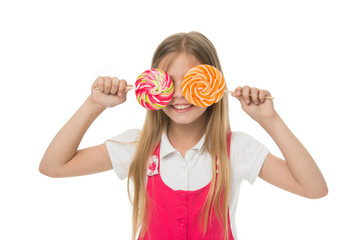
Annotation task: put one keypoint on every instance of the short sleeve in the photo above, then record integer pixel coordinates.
(121, 149)
(247, 156)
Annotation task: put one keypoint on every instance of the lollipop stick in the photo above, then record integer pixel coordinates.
(269, 97)
(228, 91)
(266, 97)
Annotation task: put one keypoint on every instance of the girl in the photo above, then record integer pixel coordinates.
(185, 166)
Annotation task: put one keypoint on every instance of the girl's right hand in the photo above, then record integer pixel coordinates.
(109, 92)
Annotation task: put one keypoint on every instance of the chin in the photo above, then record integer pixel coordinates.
(181, 121)
(185, 120)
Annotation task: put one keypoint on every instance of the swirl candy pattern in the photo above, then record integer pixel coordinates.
(154, 89)
(203, 85)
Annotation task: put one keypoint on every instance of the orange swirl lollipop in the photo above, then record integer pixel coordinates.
(203, 85)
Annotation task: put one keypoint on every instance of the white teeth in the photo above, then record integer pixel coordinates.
(181, 106)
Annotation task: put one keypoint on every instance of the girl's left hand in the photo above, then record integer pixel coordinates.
(254, 103)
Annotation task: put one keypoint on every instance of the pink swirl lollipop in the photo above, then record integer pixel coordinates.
(154, 89)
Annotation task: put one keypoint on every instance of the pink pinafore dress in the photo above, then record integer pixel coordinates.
(174, 213)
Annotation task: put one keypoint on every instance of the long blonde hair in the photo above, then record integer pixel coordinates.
(217, 127)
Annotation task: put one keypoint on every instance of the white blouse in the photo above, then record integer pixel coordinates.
(194, 171)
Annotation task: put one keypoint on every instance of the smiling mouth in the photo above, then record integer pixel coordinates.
(181, 107)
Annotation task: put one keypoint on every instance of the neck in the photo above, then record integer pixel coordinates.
(184, 136)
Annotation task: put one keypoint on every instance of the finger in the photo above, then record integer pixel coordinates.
(107, 85)
(237, 92)
(262, 94)
(99, 84)
(268, 95)
(255, 95)
(246, 94)
(114, 85)
(122, 87)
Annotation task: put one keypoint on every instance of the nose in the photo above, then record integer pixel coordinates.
(177, 89)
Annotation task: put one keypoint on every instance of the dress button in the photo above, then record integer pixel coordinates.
(182, 223)
(183, 196)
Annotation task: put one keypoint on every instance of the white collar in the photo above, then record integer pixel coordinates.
(166, 147)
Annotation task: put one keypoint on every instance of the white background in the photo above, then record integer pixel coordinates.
(307, 53)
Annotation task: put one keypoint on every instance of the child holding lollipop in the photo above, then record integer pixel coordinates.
(185, 165)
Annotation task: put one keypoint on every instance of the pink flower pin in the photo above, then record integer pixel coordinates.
(153, 166)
